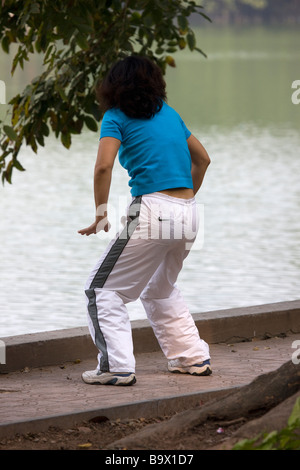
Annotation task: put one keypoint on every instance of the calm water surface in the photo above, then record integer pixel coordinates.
(238, 103)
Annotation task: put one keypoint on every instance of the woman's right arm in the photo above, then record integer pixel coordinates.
(107, 151)
(200, 161)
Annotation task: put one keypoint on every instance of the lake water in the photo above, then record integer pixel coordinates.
(238, 103)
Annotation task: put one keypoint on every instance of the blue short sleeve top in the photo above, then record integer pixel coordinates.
(153, 151)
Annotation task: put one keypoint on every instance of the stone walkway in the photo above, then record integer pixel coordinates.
(34, 399)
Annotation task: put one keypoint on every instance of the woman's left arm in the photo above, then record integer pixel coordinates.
(107, 152)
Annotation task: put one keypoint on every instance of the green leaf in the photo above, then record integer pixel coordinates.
(10, 132)
(18, 165)
(84, 28)
(206, 17)
(66, 140)
(48, 52)
(5, 44)
(245, 444)
(191, 40)
(8, 171)
(295, 415)
(201, 52)
(82, 41)
(91, 123)
(182, 23)
(45, 129)
(61, 92)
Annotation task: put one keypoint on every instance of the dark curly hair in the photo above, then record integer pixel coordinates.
(135, 85)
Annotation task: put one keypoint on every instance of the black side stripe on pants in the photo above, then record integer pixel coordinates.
(102, 274)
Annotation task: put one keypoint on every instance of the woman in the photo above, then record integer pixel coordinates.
(166, 165)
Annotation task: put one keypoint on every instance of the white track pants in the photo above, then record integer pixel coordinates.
(144, 261)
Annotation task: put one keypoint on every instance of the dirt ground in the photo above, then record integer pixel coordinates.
(100, 434)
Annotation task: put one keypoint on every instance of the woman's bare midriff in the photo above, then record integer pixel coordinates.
(183, 193)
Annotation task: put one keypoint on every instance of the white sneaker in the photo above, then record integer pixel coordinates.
(108, 378)
(196, 369)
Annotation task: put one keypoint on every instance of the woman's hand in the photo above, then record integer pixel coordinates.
(96, 226)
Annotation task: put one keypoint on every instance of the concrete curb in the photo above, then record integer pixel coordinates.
(230, 325)
(147, 408)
